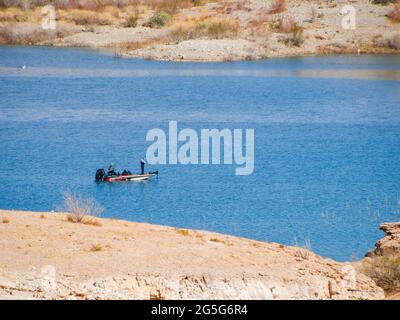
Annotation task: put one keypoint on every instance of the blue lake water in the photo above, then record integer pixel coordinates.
(327, 142)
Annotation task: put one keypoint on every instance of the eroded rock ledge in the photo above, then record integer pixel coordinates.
(390, 243)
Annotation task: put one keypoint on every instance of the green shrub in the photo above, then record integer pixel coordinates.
(159, 20)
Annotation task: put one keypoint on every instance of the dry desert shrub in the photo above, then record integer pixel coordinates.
(383, 2)
(394, 14)
(135, 45)
(24, 33)
(96, 247)
(5, 220)
(382, 42)
(208, 28)
(286, 24)
(394, 43)
(220, 28)
(82, 210)
(385, 271)
(159, 20)
(297, 36)
(87, 17)
(217, 240)
(14, 14)
(183, 232)
(304, 252)
(283, 24)
(157, 295)
(277, 6)
(132, 21)
(170, 6)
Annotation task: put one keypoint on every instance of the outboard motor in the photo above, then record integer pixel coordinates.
(100, 173)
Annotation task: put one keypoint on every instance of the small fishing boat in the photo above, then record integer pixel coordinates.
(101, 176)
(131, 177)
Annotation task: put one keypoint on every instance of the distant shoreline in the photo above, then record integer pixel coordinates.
(212, 31)
(127, 55)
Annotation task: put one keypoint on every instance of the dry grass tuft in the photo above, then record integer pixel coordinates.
(217, 240)
(156, 295)
(96, 247)
(287, 24)
(5, 220)
(304, 252)
(277, 6)
(183, 232)
(173, 6)
(134, 45)
(132, 21)
(203, 27)
(297, 36)
(81, 210)
(18, 15)
(220, 28)
(92, 222)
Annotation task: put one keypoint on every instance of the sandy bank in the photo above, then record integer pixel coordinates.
(45, 256)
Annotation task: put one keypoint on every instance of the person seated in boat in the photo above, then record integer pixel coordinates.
(111, 170)
(142, 163)
(126, 173)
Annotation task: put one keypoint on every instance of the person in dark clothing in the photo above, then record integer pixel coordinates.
(111, 170)
(142, 163)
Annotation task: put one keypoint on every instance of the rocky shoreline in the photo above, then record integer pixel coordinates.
(221, 31)
(390, 243)
(44, 256)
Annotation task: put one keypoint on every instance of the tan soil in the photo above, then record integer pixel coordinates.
(121, 259)
(323, 35)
